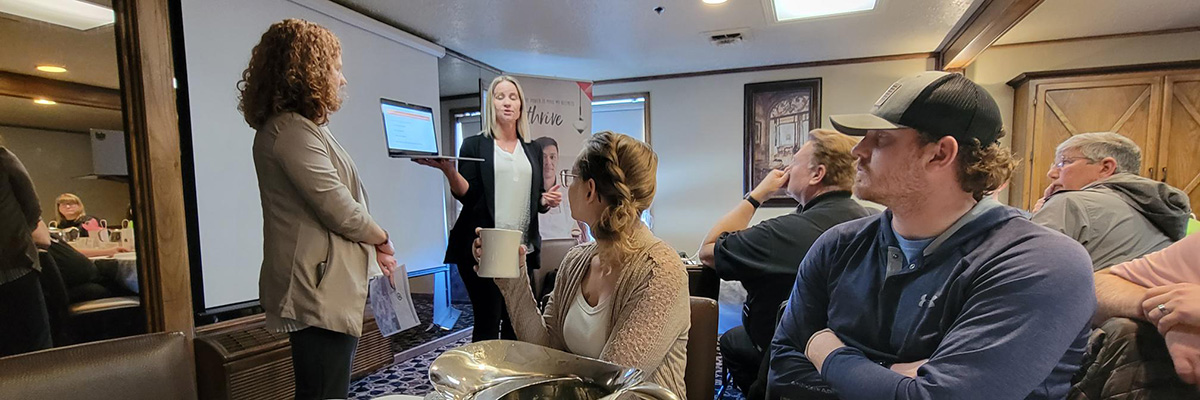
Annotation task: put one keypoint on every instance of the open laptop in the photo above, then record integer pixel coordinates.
(409, 130)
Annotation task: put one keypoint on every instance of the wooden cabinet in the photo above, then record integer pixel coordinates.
(1155, 107)
(1179, 143)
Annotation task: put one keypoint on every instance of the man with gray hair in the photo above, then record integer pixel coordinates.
(1097, 198)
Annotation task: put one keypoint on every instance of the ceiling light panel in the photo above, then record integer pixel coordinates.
(54, 69)
(790, 10)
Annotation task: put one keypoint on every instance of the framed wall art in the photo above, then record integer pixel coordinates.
(778, 117)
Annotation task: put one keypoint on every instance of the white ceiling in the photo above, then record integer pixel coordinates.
(1061, 19)
(89, 56)
(588, 39)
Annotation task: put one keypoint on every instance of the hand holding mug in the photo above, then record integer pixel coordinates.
(498, 253)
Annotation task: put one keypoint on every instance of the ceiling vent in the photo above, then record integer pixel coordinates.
(727, 37)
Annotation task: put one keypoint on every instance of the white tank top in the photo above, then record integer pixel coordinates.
(585, 329)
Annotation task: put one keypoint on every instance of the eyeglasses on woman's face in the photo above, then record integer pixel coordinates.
(566, 178)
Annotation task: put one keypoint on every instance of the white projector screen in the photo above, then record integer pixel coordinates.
(406, 199)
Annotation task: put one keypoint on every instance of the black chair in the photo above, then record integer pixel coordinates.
(703, 281)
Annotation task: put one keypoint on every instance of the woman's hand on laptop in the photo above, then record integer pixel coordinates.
(443, 164)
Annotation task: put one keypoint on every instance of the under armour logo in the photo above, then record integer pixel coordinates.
(929, 301)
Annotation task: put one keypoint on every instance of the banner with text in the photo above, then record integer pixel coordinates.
(560, 119)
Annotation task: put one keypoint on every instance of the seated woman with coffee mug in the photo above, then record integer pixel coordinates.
(621, 299)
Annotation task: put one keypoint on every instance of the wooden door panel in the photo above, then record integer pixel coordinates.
(1181, 136)
(1100, 109)
(1128, 107)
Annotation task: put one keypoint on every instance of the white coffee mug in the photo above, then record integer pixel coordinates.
(500, 254)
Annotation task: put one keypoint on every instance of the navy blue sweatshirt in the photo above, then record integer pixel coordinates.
(999, 306)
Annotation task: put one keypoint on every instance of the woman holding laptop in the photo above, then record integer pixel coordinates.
(318, 239)
(504, 191)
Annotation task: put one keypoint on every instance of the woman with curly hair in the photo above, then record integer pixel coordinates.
(623, 298)
(318, 239)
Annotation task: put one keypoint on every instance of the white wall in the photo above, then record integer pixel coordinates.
(219, 35)
(53, 160)
(696, 127)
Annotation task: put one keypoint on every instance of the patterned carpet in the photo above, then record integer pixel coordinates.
(420, 335)
(410, 377)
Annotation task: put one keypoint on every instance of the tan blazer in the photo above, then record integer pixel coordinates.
(314, 267)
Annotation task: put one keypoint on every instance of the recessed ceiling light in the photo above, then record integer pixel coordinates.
(714, 1)
(787, 10)
(76, 14)
(44, 102)
(54, 69)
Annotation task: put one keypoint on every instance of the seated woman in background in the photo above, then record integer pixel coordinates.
(623, 298)
(81, 277)
(71, 214)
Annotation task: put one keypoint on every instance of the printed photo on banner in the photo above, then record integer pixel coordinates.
(560, 120)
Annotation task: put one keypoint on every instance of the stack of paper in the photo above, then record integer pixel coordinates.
(392, 303)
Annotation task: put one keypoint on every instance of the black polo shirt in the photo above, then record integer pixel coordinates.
(765, 257)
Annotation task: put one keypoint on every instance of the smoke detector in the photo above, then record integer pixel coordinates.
(728, 37)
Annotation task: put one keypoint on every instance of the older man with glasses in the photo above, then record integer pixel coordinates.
(1097, 198)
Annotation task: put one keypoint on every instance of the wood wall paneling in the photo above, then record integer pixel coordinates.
(1018, 188)
(147, 71)
(1179, 150)
(33, 87)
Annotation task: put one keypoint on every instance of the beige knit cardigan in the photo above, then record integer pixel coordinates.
(650, 319)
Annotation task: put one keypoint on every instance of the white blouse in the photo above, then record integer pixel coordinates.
(513, 177)
(585, 329)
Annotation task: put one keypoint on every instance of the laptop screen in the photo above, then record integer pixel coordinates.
(408, 128)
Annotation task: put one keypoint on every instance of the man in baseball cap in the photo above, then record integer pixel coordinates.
(942, 296)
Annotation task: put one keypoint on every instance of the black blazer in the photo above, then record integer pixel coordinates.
(479, 202)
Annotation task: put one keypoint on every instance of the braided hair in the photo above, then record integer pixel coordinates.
(624, 170)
